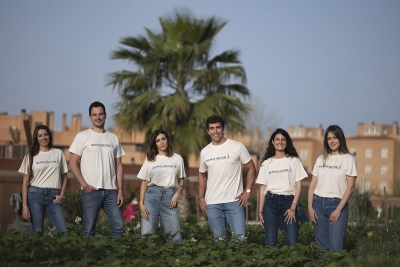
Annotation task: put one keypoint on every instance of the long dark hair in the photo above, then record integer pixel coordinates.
(36, 147)
(289, 150)
(338, 132)
(152, 150)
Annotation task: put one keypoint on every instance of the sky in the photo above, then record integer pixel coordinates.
(307, 62)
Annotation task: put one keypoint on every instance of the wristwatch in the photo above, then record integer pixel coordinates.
(248, 190)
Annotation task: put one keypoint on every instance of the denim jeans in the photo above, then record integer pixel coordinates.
(157, 201)
(107, 200)
(275, 207)
(233, 213)
(40, 200)
(329, 236)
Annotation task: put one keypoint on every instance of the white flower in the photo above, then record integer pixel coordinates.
(193, 240)
(78, 219)
(202, 218)
(220, 238)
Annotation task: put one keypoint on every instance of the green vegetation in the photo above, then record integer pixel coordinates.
(366, 244)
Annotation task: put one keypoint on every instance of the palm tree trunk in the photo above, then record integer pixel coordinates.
(183, 203)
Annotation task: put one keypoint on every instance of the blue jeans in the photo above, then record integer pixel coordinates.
(329, 236)
(157, 201)
(107, 200)
(40, 200)
(275, 207)
(233, 213)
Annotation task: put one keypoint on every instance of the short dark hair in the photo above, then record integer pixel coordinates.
(215, 119)
(96, 104)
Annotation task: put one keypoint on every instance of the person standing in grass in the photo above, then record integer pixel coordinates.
(332, 184)
(163, 174)
(44, 171)
(280, 178)
(96, 163)
(220, 181)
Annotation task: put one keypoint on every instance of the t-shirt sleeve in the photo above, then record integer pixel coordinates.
(262, 177)
(77, 145)
(63, 164)
(24, 169)
(202, 166)
(315, 170)
(244, 154)
(299, 170)
(351, 169)
(181, 172)
(144, 173)
(119, 152)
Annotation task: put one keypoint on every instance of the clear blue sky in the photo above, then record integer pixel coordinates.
(307, 62)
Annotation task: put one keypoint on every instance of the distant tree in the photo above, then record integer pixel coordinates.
(177, 83)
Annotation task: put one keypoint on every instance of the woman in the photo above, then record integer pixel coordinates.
(332, 184)
(130, 212)
(162, 174)
(44, 170)
(280, 177)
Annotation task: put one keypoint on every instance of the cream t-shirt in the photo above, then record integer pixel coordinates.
(223, 165)
(47, 168)
(164, 171)
(332, 179)
(281, 175)
(98, 152)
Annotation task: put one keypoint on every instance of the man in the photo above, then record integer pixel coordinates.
(100, 173)
(220, 181)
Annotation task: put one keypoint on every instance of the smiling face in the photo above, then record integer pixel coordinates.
(162, 144)
(279, 143)
(333, 143)
(216, 132)
(97, 117)
(43, 138)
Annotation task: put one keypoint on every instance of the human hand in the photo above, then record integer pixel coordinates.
(174, 201)
(290, 216)
(312, 214)
(88, 188)
(120, 199)
(261, 220)
(243, 198)
(334, 216)
(203, 204)
(144, 212)
(26, 214)
(58, 199)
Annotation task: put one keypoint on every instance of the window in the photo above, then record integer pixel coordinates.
(384, 153)
(368, 153)
(382, 186)
(4, 152)
(139, 148)
(367, 169)
(384, 169)
(303, 153)
(297, 133)
(371, 130)
(18, 152)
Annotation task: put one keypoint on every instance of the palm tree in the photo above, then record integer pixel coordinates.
(176, 84)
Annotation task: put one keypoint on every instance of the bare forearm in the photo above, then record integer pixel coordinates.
(202, 180)
(347, 194)
(262, 197)
(143, 188)
(296, 195)
(251, 174)
(64, 184)
(25, 184)
(311, 191)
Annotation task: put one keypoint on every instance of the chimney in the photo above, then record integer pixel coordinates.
(64, 122)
